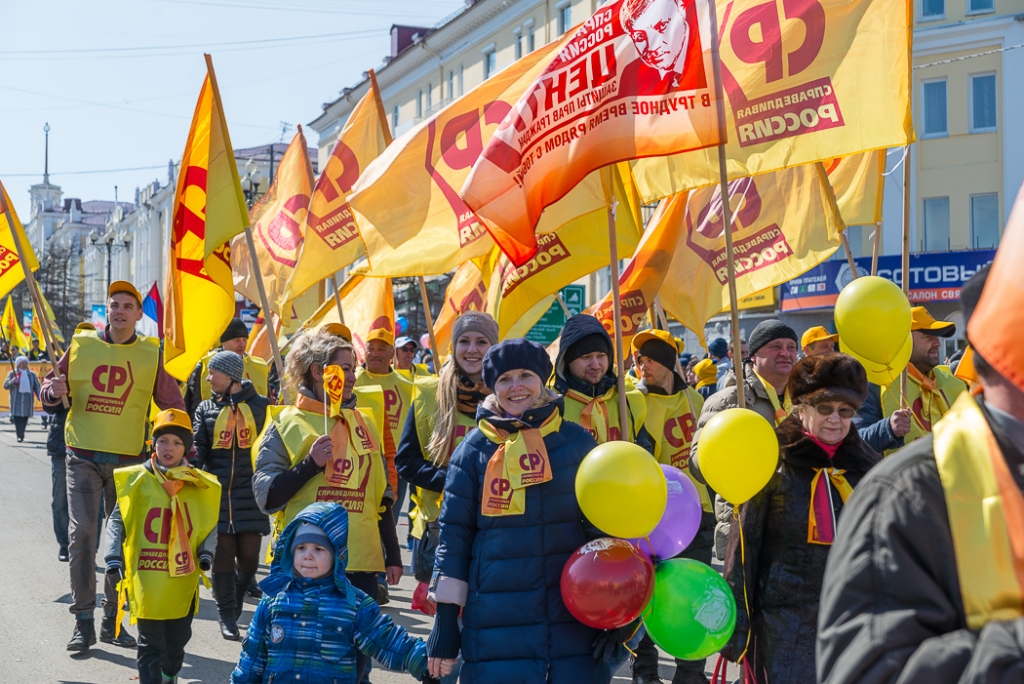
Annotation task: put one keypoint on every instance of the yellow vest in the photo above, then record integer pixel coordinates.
(424, 407)
(111, 388)
(257, 371)
(672, 420)
(152, 592)
(299, 429)
(986, 515)
(928, 407)
(417, 371)
(636, 415)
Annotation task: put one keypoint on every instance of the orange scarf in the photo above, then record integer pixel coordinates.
(180, 559)
(521, 461)
(594, 417)
(349, 434)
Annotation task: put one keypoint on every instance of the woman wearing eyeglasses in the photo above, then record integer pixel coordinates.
(788, 527)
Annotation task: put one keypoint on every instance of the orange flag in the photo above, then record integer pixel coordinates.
(466, 291)
(804, 82)
(369, 305)
(275, 221)
(994, 328)
(209, 210)
(330, 236)
(633, 81)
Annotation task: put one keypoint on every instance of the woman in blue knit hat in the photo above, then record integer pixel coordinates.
(509, 522)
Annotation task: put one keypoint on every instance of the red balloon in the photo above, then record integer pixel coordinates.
(607, 583)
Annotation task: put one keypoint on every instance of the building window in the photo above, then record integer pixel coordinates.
(461, 89)
(531, 40)
(985, 221)
(519, 44)
(394, 119)
(564, 18)
(419, 105)
(935, 108)
(490, 63)
(430, 96)
(936, 224)
(983, 103)
(451, 85)
(980, 6)
(933, 9)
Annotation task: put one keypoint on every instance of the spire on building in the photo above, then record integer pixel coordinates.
(46, 158)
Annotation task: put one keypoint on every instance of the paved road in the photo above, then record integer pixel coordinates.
(34, 621)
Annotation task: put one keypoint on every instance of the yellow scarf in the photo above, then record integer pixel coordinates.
(180, 561)
(787, 404)
(234, 422)
(934, 403)
(520, 461)
(594, 416)
(821, 505)
(349, 435)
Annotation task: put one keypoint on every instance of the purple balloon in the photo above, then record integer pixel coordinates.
(681, 520)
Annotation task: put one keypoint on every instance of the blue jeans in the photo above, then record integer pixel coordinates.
(59, 505)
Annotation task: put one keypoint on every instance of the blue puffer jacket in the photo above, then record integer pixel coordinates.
(506, 570)
(308, 630)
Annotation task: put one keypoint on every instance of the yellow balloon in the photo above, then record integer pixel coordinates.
(621, 489)
(873, 318)
(880, 373)
(737, 453)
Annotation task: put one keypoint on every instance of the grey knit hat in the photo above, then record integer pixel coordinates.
(474, 321)
(308, 533)
(228, 363)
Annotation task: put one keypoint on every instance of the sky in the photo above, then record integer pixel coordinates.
(118, 80)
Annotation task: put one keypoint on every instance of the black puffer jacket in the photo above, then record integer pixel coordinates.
(784, 571)
(233, 467)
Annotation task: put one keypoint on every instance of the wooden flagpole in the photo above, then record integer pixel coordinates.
(264, 303)
(723, 178)
(906, 249)
(849, 254)
(620, 359)
(874, 248)
(33, 291)
(561, 303)
(430, 323)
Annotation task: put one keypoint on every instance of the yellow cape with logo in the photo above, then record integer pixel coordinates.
(397, 391)
(145, 508)
(609, 409)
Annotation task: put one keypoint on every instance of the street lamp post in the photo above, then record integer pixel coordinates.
(251, 182)
(108, 241)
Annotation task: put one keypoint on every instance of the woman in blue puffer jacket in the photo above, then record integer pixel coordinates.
(509, 522)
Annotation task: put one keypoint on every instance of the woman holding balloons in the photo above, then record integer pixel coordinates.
(775, 560)
(509, 522)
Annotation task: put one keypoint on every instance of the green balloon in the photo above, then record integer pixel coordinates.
(693, 612)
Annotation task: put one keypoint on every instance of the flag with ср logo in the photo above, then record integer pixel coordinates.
(331, 238)
(11, 272)
(804, 81)
(209, 210)
(369, 306)
(275, 221)
(634, 80)
(466, 291)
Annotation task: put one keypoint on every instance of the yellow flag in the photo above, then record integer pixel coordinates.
(11, 271)
(578, 248)
(12, 330)
(804, 82)
(369, 306)
(784, 223)
(57, 335)
(209, 210)
(466, 291)
(330, 236)
(275, 221)
(857, 182)
(334, 387)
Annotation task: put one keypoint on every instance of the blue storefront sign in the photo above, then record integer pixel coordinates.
(934, 277)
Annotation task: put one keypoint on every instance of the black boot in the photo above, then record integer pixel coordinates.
(109, 626)
(224, 595)
(84, 635)
(242, 580)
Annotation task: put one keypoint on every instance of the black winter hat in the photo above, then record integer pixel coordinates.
(577, 329)
(767, 331)
(828, 377)
(236, 329)
(513, 354)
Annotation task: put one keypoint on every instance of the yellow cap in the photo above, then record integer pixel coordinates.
(84, 326)
(125, 287)
(382, 334)
(816, 334)
(923, 321)
(707, 372)
(680, 345)
(172, 418)
(338, 330)
(645, 336)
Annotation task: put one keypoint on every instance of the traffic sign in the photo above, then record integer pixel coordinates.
(549, 327)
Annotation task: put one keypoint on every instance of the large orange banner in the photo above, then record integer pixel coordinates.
(805, 81)
(635, 80)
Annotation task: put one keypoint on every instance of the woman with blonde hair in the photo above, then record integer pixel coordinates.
(443, 412)
(309, 452)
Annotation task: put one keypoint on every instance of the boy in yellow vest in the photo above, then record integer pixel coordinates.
(924, 581)
(160, 536)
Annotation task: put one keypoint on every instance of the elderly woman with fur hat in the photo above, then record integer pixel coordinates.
(509, 522)
(788, 527)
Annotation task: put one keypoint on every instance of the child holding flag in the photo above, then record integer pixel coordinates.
(160, 537)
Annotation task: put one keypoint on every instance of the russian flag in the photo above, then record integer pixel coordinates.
(152, 323)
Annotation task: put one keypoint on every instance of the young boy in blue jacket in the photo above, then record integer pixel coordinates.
(312, 620)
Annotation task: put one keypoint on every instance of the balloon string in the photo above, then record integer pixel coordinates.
(625, 644)
(743, 566)
(906, 403)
